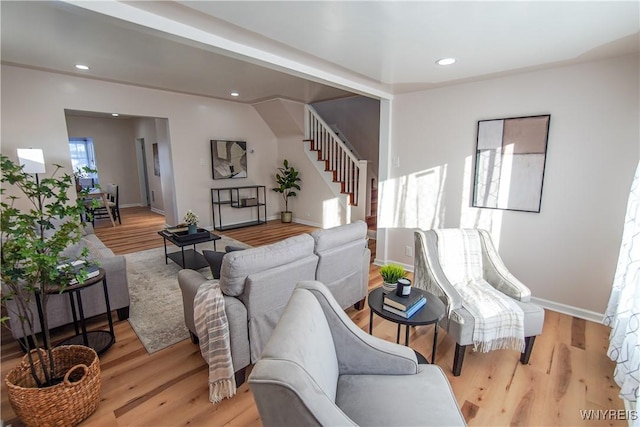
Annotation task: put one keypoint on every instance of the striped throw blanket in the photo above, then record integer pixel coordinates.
(499, 321)
(213, 332)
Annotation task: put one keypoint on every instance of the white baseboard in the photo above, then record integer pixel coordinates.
(569, 310)
(158, 211)
(130, 205)
(304, 222)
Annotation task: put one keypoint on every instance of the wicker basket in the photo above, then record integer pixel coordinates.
(64, 404)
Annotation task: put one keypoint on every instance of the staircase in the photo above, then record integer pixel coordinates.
(336, 159)
(372, 220)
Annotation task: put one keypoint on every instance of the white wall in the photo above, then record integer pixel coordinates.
(566, 253)
(315, 204)
(114, 147)
(33, 104)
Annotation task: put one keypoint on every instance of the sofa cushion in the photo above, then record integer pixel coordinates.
(237, 265)
(304, 323)
(97, 249)
(338, 236)
(385, 400)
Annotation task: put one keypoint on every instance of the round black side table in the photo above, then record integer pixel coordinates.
(431, 313)
(99, 340)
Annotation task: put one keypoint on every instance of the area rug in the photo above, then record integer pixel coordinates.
(156, 314)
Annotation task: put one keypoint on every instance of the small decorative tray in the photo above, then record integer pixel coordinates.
(184, 236)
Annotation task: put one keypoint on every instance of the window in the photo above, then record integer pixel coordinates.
(82, 154)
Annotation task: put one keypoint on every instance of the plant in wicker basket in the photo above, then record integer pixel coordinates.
(37, 223)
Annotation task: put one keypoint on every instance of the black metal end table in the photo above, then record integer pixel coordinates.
(432, 312)
(99, 340)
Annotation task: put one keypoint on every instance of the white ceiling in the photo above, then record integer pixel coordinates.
(310, 51)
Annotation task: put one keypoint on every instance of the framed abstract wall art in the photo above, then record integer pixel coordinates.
(510, 162)
(229, 159)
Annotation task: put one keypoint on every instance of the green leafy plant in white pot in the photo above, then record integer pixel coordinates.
(391, 273)
(287, 179)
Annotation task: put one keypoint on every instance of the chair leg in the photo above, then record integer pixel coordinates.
(458, 358)
(528, 348)
(240, 376)
(359, 305)
(123, 313)
(194, 338)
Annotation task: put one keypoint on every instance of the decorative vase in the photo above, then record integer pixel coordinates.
(71, 401)
(193, 228)
(286, 216)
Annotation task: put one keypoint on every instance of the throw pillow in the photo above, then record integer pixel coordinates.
(95, 252)
(214, 259)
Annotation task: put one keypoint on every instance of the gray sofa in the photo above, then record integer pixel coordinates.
(93, 304)
(337, 375)
(257, 283)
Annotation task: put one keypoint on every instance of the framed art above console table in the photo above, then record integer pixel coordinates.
(228, 159)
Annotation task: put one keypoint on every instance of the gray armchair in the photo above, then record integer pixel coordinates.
(319, 368)
(432, 275)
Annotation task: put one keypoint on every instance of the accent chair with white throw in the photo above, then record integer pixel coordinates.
(486, 306)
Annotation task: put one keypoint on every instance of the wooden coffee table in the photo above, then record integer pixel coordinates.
(189, 258)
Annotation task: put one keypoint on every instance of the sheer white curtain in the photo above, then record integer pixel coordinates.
(623, 311)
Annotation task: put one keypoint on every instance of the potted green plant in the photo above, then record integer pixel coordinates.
(287, 179)
(37, 223)
(391, 273)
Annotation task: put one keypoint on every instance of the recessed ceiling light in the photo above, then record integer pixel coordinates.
(115, 114)
(82, 67)
(446, 61)
(235, 94)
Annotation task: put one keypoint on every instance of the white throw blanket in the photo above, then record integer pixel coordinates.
(213, 332)
(499, 321)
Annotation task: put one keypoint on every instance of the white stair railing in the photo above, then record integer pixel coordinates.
(347, 170)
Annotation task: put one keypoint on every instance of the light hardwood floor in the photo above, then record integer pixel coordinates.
(568, 371)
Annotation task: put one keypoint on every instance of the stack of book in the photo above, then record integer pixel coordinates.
(403, 306)
(74, 267)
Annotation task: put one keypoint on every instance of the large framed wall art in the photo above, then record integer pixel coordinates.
(229, 159)
(510, 162)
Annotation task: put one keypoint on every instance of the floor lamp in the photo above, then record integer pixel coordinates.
(32, 161)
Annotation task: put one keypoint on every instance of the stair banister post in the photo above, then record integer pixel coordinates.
(363, 191)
